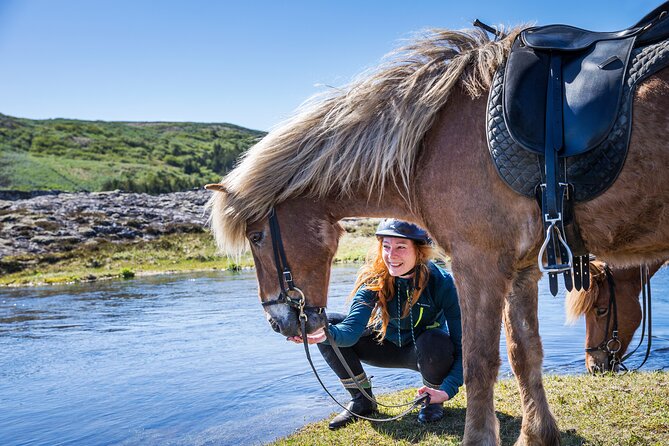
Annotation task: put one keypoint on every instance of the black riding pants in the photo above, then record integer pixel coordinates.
(434, 360)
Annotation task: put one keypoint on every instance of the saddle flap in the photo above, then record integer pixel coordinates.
(592, 87)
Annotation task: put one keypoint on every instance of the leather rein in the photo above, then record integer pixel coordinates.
(611, 346)
(287, 286)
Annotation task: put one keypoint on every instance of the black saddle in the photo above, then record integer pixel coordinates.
(562, 95)
(584, 70)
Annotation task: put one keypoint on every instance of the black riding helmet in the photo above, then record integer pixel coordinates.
(391, 227)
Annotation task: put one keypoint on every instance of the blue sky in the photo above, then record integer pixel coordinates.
(249, 63)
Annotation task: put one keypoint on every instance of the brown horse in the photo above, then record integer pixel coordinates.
(595, 305)
(409, 141)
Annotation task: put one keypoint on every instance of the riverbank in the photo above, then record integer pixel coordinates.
(613, 410)
(51, 238)
(172, 253)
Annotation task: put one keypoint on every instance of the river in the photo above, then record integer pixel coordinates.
(190, 360)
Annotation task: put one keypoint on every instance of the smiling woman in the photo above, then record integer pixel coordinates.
(404, 314)
(399, 256)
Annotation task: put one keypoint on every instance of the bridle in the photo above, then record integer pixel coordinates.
(287, 286)
(611, 346)
(285, 276)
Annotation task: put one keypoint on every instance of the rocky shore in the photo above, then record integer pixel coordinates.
(34, 224)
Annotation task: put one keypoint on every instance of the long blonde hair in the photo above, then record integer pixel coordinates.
(374, 276)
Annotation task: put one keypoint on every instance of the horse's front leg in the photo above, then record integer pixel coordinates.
(526, 356)
(481, 290)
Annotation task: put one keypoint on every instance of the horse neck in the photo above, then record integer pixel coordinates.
(360, 204)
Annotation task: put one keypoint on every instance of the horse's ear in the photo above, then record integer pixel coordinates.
(217, 187)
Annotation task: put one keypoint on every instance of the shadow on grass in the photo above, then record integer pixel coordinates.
(452, 427)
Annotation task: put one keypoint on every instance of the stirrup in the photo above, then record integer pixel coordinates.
(555, 267)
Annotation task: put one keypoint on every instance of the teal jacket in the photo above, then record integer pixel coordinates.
(437, 308)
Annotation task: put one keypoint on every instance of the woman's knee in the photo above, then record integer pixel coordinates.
(435, 347)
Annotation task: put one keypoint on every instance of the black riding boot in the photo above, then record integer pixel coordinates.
(431, 413)
(359, 404)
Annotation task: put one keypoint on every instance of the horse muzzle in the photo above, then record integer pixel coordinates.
(286, 320)
(600, 362)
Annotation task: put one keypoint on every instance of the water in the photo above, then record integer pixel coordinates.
(190, 360)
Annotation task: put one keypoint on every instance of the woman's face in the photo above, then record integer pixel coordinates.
(399, 255)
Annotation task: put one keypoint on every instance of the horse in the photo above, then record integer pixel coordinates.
(603, 350)
(408, 140)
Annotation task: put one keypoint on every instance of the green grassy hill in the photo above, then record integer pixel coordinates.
(71, 155)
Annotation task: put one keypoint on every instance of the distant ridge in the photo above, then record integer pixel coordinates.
(76, 155)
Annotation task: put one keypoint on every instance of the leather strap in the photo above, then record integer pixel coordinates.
(413, 404)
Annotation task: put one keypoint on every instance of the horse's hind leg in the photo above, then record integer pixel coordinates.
(526, 356)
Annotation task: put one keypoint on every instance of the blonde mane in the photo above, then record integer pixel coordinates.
(366, 135)
(580, 302)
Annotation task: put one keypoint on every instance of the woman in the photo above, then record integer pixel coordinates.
(404, 314)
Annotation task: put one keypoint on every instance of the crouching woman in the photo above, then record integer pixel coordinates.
(404, 314)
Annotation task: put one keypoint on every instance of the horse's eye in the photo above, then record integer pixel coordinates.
(256, 237)
(601, 311)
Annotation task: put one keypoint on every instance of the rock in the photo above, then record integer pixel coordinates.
(41, 223)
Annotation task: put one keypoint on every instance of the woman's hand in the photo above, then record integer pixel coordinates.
(436, 396)
(312, 338)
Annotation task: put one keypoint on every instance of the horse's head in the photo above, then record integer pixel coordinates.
(308, 240)
(292, 249)
(603, 315)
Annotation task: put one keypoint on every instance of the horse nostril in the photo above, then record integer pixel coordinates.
(274, 325)
(596, 368)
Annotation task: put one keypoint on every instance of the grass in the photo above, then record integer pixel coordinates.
(616, 410)
(25, 171)
(170, 253)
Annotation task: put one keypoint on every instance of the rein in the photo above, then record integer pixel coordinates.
(611, 346)
(285, 278)
(646, 299)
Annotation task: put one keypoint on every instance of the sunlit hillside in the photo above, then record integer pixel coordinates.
(72, 155)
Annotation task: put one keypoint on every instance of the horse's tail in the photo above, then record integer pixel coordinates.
(580, 302)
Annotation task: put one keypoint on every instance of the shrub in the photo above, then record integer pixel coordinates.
(127, 273)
